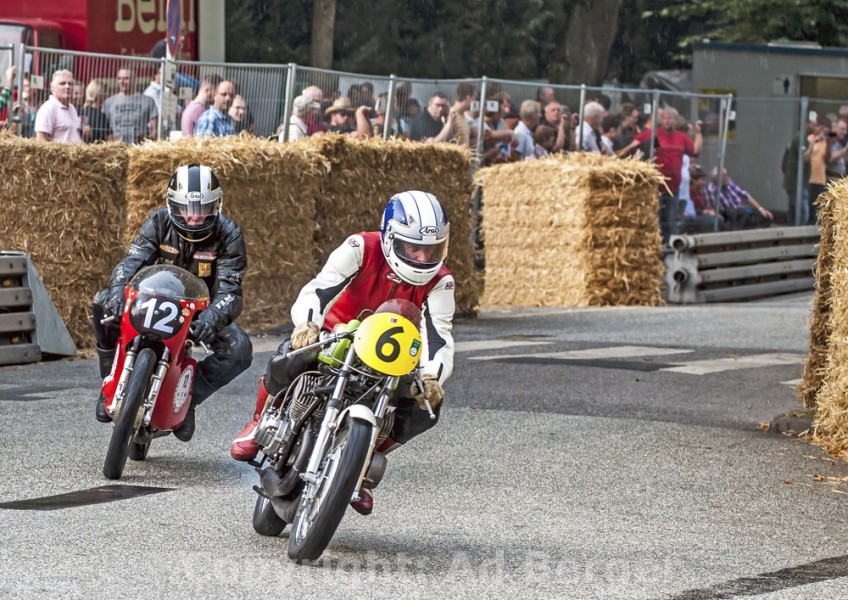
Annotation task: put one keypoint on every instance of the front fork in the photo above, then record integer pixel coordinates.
(129, 362)
(328, 424)
(379, 412)
(155, 386)
(155, 382)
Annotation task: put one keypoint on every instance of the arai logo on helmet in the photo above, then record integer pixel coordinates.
(195, 196)
(429, 230)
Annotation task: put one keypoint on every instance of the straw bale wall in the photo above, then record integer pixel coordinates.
(270, 190)
(365, 173)
(816, 359)
(825, 382)
(581, 230)
(64, 206)
(75, 209)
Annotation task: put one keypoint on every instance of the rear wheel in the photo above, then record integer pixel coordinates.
(265, 520)
(323, 504)
(127, 421)
(139, 451)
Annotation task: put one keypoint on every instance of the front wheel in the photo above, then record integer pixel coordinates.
(130, 413)
(323, 504)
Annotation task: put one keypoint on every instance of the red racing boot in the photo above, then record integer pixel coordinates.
(243, 447)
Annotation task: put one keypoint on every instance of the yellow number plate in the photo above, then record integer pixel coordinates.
(388, 343)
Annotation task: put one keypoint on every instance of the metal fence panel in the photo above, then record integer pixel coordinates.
(750, 137)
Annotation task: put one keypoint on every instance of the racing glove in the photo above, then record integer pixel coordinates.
(432, 392)
(202, 331)
(304, 334)
(114, 305)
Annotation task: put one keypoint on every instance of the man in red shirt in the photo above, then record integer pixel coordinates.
(670, 146)
(404, 260)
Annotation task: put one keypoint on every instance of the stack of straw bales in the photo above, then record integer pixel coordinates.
(820, 321)
(825, 382)
(269, 190)
(75, 209)
(578, 230)
(365, 173)
(64, 206)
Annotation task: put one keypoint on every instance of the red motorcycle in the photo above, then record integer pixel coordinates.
(148, 392)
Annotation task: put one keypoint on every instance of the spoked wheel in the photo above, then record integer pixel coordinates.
(323, 504)
(128, 420)
(265, 520)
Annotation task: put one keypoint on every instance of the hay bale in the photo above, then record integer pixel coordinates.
(64, 206)
(816, 359)
(825, 365)
(270, 190)
(581, 229)
(365, 173)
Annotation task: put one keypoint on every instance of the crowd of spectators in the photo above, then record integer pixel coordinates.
(122, 108)
(119, 108)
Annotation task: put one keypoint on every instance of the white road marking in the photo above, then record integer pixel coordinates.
(595, 353)
(792, 382)
(495, 344)
(702, 367)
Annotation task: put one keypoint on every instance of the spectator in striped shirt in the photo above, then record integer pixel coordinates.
(739, 208)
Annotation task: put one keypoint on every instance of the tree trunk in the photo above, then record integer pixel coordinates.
(323, 25)
(591, 32)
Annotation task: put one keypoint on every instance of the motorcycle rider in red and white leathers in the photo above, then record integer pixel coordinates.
(404, 260)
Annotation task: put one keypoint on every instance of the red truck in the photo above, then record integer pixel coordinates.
(130, 27)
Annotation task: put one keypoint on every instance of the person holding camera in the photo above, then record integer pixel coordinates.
(819, 153)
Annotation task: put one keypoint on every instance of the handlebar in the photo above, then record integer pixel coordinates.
(328, 340)
(420, 384)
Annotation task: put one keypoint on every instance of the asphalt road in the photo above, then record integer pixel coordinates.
(598, 453)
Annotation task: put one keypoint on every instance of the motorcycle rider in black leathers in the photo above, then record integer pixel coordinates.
(191, 233)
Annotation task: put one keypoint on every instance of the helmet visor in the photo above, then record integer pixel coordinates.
(421, 256)
(194, 215)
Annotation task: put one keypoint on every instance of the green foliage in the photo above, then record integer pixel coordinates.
(415, 38)
(754, 21)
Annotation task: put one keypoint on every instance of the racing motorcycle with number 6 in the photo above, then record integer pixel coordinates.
(320, 433)
(148, 392)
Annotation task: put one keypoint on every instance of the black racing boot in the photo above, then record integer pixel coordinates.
(105, 359)
(202, 390)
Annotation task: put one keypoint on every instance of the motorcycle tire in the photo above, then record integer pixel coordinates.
(339, 475)
(126, 423)
(138, 451)
(265, 520)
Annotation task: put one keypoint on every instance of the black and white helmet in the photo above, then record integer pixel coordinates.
(194, 201)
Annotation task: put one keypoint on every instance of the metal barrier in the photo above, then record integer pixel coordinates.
(736, 265)
(733, 127)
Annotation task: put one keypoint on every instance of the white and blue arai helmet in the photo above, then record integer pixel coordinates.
(194, 201)
(414, 234)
